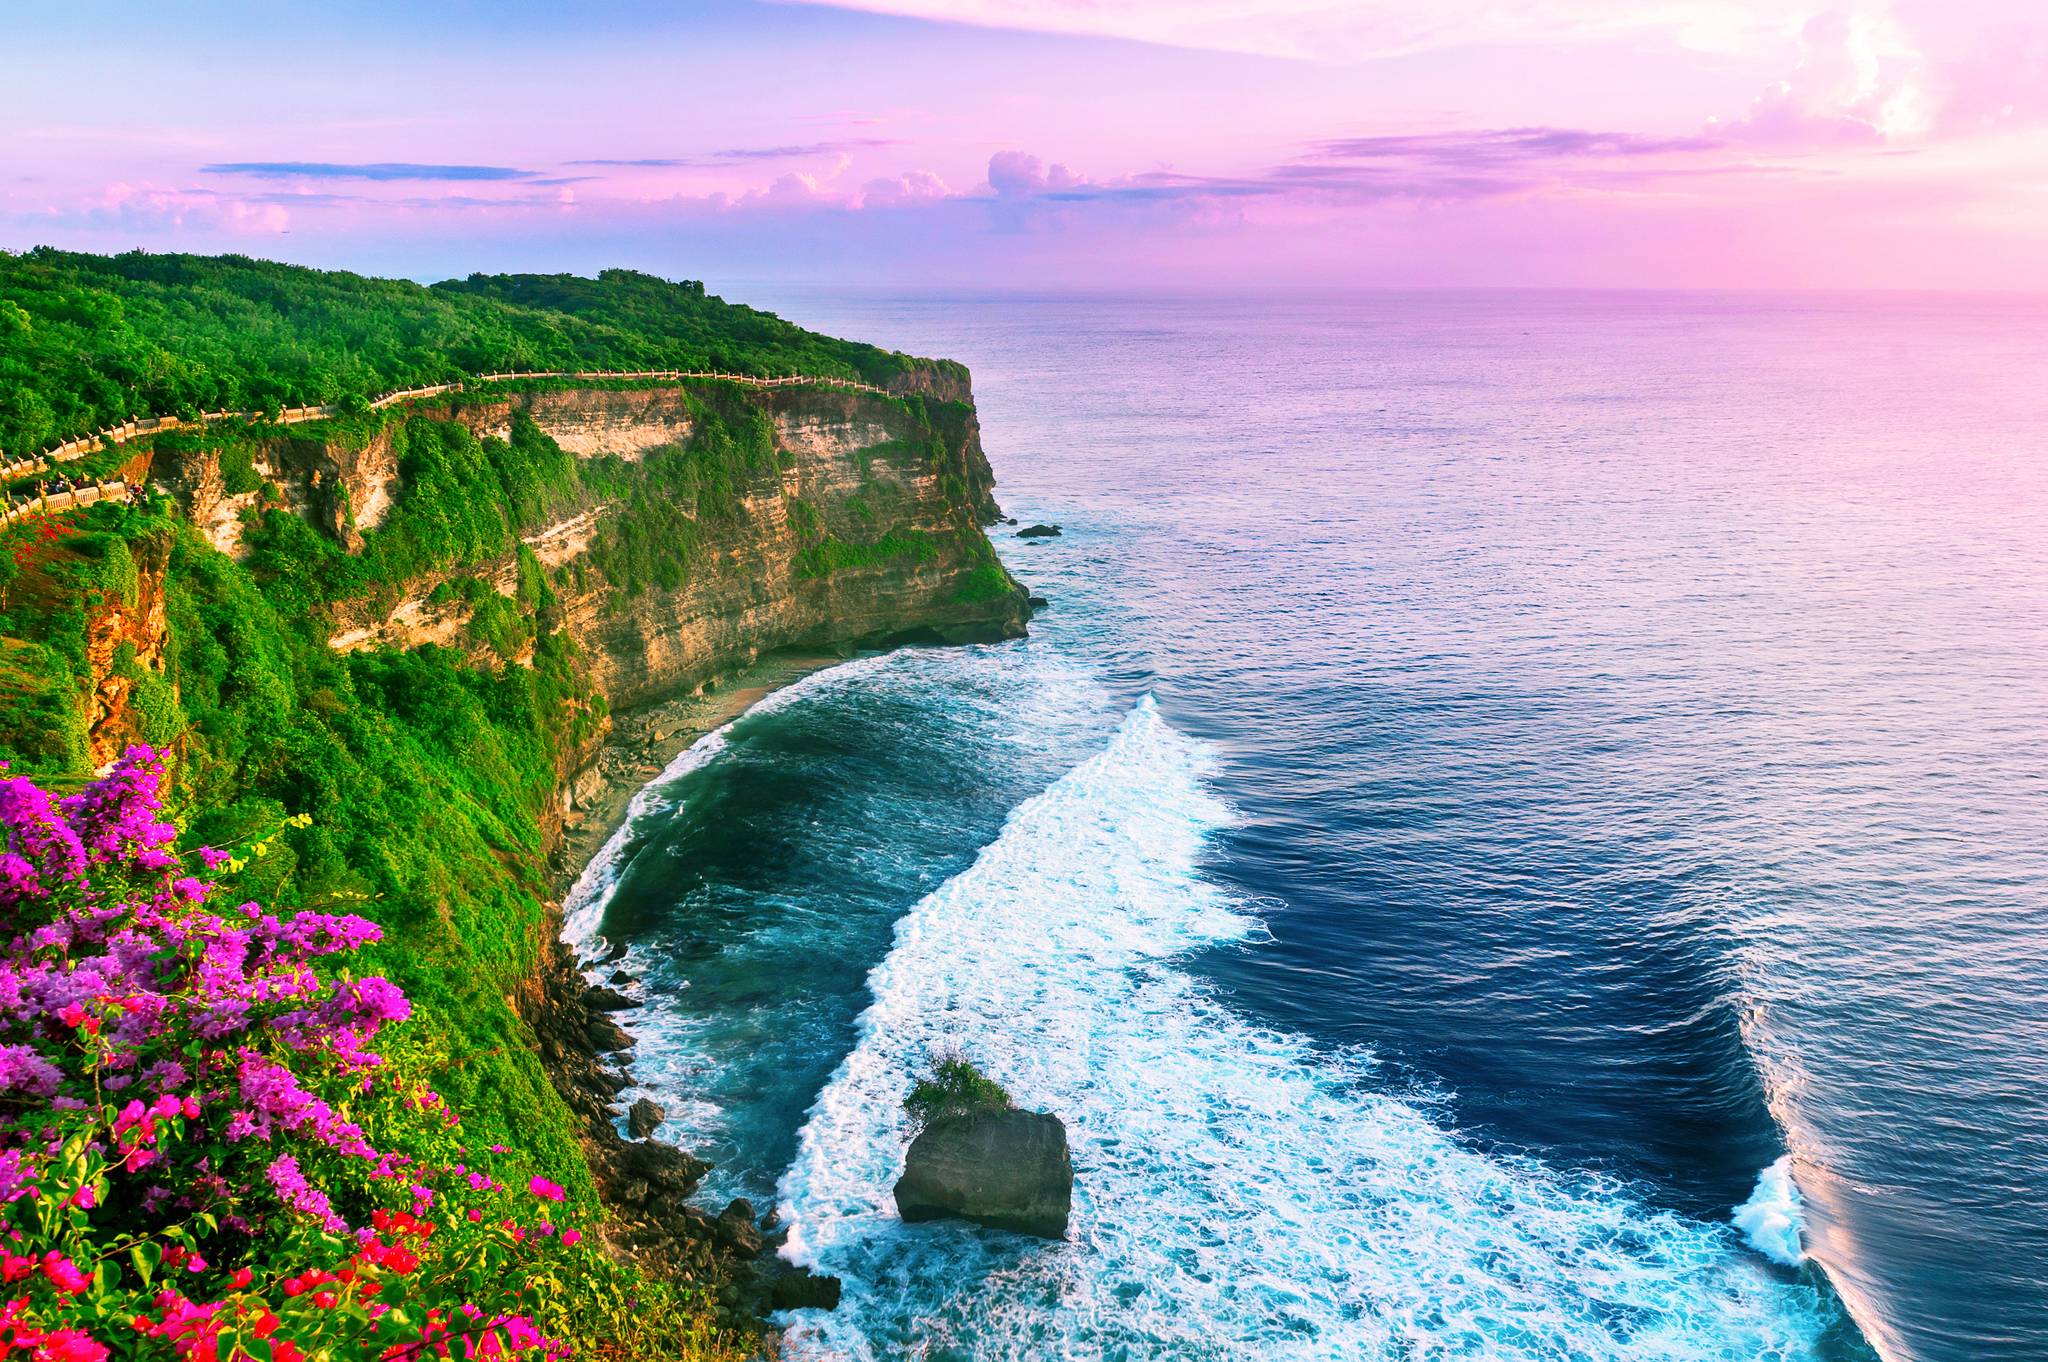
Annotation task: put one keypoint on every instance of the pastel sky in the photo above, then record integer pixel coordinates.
(1300, 144)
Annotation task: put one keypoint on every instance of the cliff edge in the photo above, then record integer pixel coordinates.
(413, 618)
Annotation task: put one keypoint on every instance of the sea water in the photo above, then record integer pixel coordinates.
(1519, 836)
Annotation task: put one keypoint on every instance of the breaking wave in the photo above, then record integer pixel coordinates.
(1770, 1218)
(1238, 1191)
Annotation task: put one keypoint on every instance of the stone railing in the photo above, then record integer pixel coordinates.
(52, 502)
(290, 416)
(751, 380)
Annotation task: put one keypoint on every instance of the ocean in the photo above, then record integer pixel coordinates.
(1520, 835)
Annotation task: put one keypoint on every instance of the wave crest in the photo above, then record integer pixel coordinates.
(1770, 1219)
(1237, 1191)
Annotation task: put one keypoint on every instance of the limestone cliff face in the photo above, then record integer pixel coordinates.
(851, 468)
(855, 463)
(952, 410)
(126, 634)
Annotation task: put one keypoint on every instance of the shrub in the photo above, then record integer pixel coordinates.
(203, 1157)
(238, 470)
(955, 1087)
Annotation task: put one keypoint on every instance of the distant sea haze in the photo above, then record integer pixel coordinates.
(1519, 836)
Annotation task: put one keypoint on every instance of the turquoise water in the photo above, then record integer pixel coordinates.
(1518, 837)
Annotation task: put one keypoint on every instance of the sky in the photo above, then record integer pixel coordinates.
(1243, 145)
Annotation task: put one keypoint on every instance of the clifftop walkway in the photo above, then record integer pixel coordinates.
(291, 416)
(53, 502)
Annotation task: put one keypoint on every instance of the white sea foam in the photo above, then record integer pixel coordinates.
(1238, 1193)
(1771, 1217)
(1008, 706)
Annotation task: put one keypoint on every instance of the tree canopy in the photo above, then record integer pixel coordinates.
(89, 340)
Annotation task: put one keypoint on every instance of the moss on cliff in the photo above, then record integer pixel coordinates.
(830, 554)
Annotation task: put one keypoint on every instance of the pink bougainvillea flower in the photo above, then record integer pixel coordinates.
(70, 1345)
(64, 1274)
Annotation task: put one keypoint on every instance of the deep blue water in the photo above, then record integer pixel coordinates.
(1499, 772)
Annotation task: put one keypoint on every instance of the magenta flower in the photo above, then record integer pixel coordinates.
(545, 1190)
(23, 1070)
(301, 1196)
(70, 1345)
(64, 1274)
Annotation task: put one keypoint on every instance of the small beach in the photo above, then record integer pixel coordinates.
(644, 741)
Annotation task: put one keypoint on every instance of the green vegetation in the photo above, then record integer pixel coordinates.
(988, 582)
(237, 472)
(88, 341)
(429, 775)
(681, 319)
(53, 577)
(829, 555)
(955, 1087)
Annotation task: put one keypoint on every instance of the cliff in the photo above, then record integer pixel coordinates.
(860, 529)
(412, 618)
(596, 548)
(848, 470)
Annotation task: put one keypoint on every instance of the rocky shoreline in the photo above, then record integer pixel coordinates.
(647, 1183)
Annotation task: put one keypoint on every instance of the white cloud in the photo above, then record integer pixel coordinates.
(1859, 77)
(129, 207)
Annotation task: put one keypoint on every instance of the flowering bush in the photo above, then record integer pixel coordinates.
(203, 1157)
(23, 538)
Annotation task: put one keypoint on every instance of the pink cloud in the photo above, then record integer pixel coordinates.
(1859, 77)
(1020, 175)
(911, 187)
(144, 208)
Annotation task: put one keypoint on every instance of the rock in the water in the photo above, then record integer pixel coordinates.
(606, 1083)
(1039, 602)
(1006, 1169)
(736, 1227)
(802, 1289)
(607, 1035)
(669, 1169)
(1038, 532)
(643, 1118)
(606, 1000)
